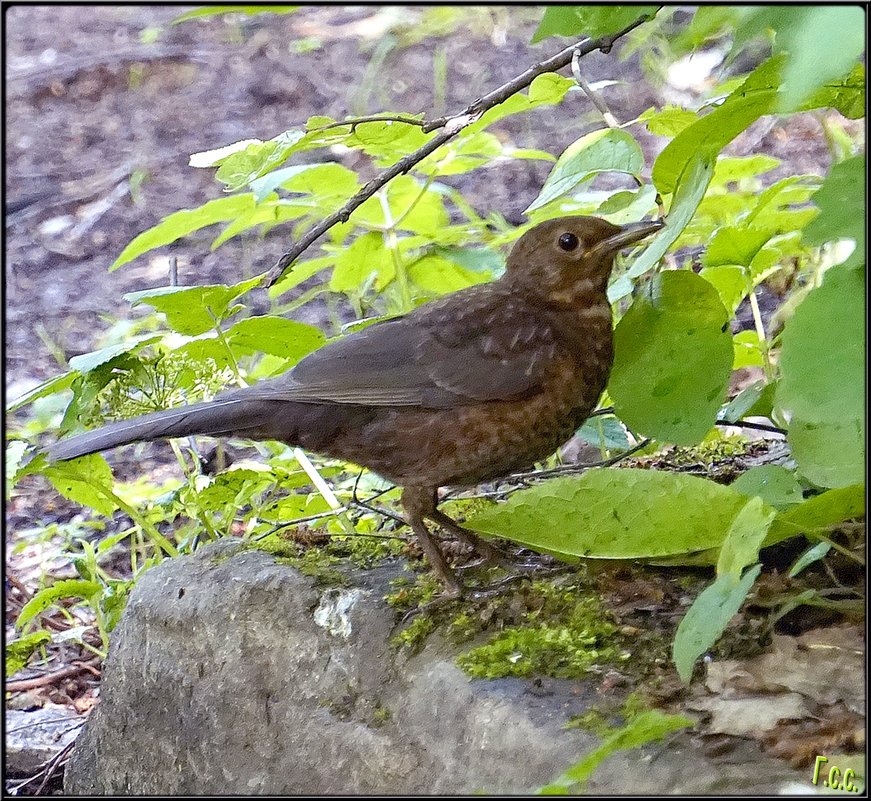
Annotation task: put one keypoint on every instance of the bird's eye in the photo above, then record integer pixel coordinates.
(568, 242)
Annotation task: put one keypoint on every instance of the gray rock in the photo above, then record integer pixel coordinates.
(231, 674)
(35, 737)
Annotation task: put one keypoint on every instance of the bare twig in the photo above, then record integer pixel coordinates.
(754, 426)
(451, 126)
(51, 678)
(355, 121)
(595, 99)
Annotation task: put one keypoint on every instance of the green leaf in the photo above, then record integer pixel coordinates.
(730, 169)
(846, 95)
(669, 121)
(735, 244)
(819, 513)
(773, 483)
(688, 194)
(811, 555)
(365, 257)
(604, 431)
(300, 271)
(276, 335)
(673, 359)
(628, 206)
(730, 283)
(710, 134)
(184, 222)
(803, 32)
(708, 617)
(67, 588)
(86, 362)
(15, 450)
(592, 21)
(211, 11)
(616, 514)
(605, 150)
(196, 309)
(744, 539)
(822, 388)
(747, 350)
(18, 651)
(646, 727)
(323, 181)
(839, 199)
(755, 400)
(427, 213)
(87, 480)
(437, 275)
(50, 387)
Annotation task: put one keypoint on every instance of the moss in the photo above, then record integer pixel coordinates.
(311, 561)
(366, 551)
(411, 594)
(560, 635)
(414, 635)
(602, 719)
(380, 716)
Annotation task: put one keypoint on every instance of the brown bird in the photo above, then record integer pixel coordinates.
(461, 390)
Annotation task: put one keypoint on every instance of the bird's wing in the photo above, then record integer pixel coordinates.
(444, 354)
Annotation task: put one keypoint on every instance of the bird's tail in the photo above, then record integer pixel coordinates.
(218, 417)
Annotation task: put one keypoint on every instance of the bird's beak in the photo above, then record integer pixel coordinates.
(628, 235)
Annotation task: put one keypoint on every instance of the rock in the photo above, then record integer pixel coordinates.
(34, 738)
(232, 674)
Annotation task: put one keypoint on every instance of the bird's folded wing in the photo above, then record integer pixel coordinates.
(404, 362)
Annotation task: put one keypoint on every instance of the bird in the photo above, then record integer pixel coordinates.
(462, 390)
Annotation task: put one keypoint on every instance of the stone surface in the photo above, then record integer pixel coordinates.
(35, 737)
(231, 674)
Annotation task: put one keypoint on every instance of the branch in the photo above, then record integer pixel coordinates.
(450, 126)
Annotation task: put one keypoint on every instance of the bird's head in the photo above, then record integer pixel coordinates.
(570, 257)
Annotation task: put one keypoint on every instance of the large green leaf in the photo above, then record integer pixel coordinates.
(841, 200)
(803, 32)
(276, 335)
(605, 150)
(592, 21)
(690, 190)
(773, 483)
(715, 130)
(87, 480)
(707, 618)
(616, 514)
(745, 537)
(50, 387)
(817, 514)
(196, 309)
(822, 387)
(673, 357)
(184, 222)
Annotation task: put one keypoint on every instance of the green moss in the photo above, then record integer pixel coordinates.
(561, 635)
(411, 594)
(594, 720)
(366, 551)
(309, 560)
(278, 544)
(380, 716)
(414, 635)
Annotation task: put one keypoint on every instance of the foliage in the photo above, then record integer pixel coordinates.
(732, 230)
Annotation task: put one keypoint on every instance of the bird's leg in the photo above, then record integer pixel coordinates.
(417, 501)
(427, 500)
